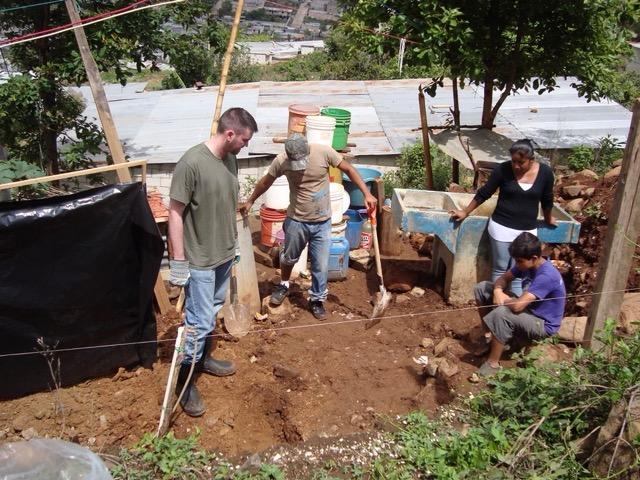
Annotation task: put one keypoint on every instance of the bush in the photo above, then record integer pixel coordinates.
(411, 173)
(528, 424)
(171, 81)
(600, 159)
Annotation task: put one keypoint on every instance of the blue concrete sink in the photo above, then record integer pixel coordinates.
(427, 211)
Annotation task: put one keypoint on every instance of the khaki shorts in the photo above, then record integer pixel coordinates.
(505, 324)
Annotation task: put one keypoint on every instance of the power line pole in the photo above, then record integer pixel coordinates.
(99, 97)
(622, 234)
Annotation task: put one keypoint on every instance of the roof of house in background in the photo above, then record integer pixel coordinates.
(160, 126)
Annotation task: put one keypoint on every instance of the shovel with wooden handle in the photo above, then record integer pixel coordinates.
(385, 297)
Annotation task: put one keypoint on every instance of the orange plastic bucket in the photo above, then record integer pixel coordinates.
(298, 114)
(271, 222)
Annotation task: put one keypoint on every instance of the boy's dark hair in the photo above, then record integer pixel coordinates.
(237, 119)
(526, 245)
(524, 147)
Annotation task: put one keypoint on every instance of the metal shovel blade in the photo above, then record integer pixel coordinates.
(237, 320)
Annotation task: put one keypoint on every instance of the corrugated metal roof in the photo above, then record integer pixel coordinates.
(161, 126)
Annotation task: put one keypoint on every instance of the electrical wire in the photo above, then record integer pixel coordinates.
(312, 325)
(134, 7)
(21, 7)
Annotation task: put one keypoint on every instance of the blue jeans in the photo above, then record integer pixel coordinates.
(501, 261)
(205, 293)
(318, 236)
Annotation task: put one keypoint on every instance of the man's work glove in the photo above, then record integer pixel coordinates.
(178, 272)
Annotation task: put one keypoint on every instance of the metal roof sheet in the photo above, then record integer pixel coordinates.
(161, 126)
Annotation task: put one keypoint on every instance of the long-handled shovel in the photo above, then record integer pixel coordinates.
(385, 297)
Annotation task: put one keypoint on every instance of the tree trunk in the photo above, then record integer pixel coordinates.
(487, 105)
(49, 137)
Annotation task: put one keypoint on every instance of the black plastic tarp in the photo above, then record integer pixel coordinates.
(76, 271)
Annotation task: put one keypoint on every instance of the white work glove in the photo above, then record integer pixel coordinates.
(178, 272)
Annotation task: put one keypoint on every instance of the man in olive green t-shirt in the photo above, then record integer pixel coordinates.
(309, 214)
(203, 239)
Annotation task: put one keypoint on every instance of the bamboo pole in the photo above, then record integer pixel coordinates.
(78, 173)
(225, 66)
(99, 97)
(426, 150)
(455, 165)
(167, 404)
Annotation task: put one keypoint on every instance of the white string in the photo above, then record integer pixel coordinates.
(313, 325)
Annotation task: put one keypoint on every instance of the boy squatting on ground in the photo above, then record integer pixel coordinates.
(536, 314)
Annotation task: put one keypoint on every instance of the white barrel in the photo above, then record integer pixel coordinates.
(338, 230)
(339, 202)
(277, 197)
(320, 130)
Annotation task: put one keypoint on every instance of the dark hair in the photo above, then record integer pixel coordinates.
(525, 147)
(237, 119)
(526, 245)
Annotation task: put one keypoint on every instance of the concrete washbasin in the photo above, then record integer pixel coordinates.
(461, 250)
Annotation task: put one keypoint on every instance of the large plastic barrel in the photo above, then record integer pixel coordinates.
(271, 222)
(298, 114)
(369, 176)
(343, 121)
(338, 259)
(320, 130)
(354, 228)
(277, 197)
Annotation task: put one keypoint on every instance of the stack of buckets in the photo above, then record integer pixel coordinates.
(329, 126)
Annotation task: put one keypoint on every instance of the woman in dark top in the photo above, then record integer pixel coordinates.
(524, 184)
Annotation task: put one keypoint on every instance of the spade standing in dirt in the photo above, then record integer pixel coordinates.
(309, 214)
(203, 239)
(524, 185)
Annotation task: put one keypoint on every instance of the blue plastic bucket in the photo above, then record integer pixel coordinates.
(368, 175)
(354, 228)
(338, 259)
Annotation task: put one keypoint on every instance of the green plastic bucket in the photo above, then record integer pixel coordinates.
(343, 120)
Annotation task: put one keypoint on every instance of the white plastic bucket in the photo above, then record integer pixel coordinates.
(320, 130)
(301, 264)
(277, 197)
(338, 230)
(339, 202)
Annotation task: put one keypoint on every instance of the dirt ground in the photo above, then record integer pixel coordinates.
(300, 379)
(291, 385)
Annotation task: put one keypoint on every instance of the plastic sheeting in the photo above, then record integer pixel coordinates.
(50, 459)
(76, 271)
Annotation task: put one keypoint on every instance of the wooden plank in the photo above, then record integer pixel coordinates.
(426, 150)
(162, 297)
(99, 96)
(622, 233)
(248, 292)
(390, 236)
(77, 173)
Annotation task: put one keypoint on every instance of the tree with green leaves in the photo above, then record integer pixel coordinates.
(506, 45)
(36, 112)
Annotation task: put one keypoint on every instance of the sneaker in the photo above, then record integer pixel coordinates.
(278, 295)
(486, 370)
(317, 309)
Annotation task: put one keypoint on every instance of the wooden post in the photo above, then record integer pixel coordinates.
(99, 97)
(622, 234)
(225, 66)
(390, 235)
(455, 165)
(426, 149)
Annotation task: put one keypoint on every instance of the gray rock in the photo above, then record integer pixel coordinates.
(417, 292)
(252, 464)
(29, 433)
